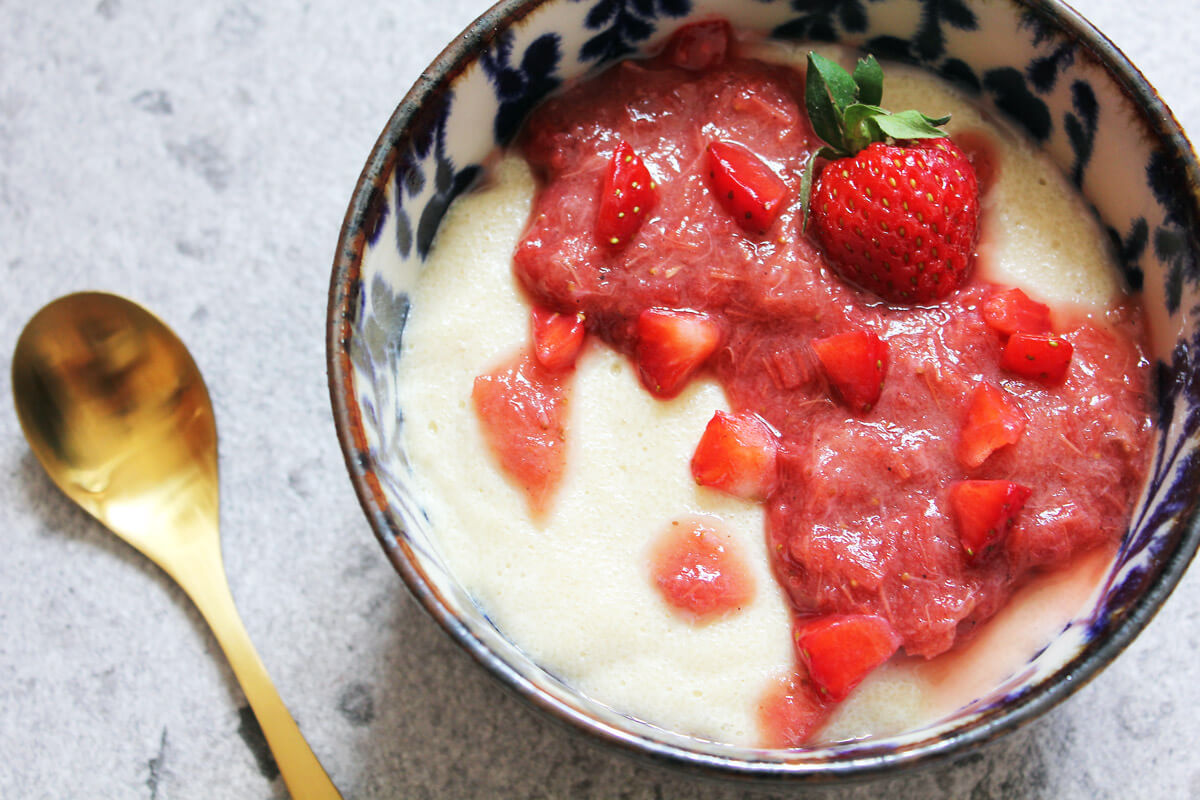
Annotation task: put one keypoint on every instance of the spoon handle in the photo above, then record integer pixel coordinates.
(205, 582)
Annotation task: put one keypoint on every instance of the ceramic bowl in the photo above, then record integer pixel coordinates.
(1036, 61)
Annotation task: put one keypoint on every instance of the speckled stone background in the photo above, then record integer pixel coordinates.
(198, 157)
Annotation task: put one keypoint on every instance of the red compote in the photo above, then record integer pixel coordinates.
(699, 572)
(921, 472)
(522, 404)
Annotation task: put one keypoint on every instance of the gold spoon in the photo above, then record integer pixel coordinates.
(117, 412)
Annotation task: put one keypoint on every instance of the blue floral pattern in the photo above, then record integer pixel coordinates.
(622, 25)
(821, 20)
(1043, 70)
(427, 157)
(1154, 235)
(520, 87)
(1080, 125)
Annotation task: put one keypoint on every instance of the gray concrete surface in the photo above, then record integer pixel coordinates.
(198, 157)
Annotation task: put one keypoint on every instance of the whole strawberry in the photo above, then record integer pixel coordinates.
(896, 207)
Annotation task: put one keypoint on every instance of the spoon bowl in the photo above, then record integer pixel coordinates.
(116, 411)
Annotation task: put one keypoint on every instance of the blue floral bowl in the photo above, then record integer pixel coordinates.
(1036, 61)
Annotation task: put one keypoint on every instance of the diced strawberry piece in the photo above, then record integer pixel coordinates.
(1041, 356)
(984, 511)
(557, 338)
(839, 650)
(672, 344)
(522, 408)
(736, 454)
(701, 45)
(626, 199)
(993, 421)
(745, 186)
(855, 364)
(700, 573)
(792, 711)
(1012, 311)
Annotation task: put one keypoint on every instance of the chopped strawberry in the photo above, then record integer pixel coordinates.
(1041, 356)
(700, 45)
(672, 344)
(993, 421)
(984, 511)
(855, 364)
(896, 208)
(839, 650)
(791, 711)
(626, 199)
(699, 572)
(736, 454)
(1012, 311)
(557, 338)
(522, 408)
(745, 186)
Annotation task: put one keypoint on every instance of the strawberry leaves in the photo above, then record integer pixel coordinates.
(844, 109)
(868, 77)
(828, 90)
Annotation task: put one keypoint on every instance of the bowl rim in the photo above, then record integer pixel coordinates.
(346, 286)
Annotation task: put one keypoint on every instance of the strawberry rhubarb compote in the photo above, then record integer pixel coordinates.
(714, 476)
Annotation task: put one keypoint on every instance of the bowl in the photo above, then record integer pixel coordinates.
(1035, 61)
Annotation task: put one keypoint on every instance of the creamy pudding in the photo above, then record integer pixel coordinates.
(569, 579)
